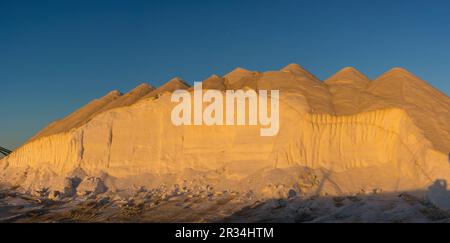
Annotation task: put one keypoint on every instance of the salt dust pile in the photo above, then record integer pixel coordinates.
(349, 149)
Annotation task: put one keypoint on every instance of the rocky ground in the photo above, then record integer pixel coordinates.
(204, 204)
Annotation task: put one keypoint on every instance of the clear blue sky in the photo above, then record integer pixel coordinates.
(56, 56)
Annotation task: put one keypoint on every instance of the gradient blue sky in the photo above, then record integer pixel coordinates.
(55, 56)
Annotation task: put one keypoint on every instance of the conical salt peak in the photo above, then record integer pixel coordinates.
(113, 94)
(142, 87)
(348, 73)
(239, 71)
(299, 70)
(398, 71)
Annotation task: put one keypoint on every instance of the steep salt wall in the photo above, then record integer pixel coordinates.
(140, 139)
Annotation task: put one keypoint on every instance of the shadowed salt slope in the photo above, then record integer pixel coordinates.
(112, 100)
(428, 107)
(78, 117)
(350, 133)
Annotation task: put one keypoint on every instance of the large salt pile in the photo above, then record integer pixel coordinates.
(345, 135)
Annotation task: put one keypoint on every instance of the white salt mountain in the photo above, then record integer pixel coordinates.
(345, 135)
